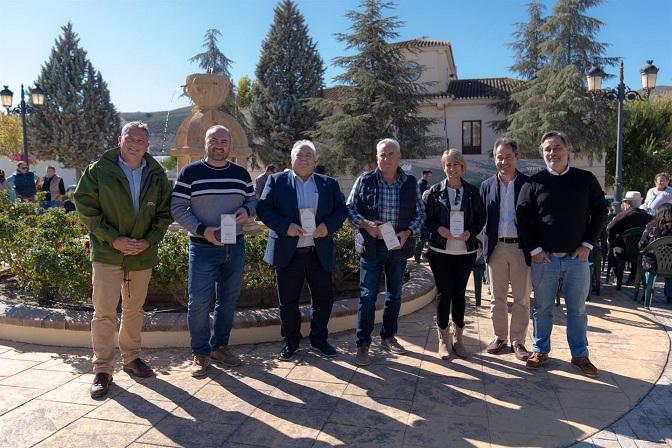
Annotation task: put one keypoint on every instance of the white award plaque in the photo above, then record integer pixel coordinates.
(456, 223)
(307, 216)
(389, 236)
(228, 229)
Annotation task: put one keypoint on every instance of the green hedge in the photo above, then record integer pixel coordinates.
(48, 253)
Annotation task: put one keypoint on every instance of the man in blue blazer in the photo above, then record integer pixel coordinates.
(507, 262)
(303, 210)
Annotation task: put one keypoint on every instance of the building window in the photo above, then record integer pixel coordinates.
(471, 137)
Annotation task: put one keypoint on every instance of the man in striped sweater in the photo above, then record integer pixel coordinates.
(205, 190)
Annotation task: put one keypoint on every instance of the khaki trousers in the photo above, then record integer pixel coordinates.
(109, 282)
(507, 265)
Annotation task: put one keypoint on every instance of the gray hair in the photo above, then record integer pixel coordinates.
(503, 141)
(135, 125)
(550, 134)
(215, 128)
(300, 144)
(388, 141)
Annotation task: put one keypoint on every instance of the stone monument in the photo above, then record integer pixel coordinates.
(208, 92)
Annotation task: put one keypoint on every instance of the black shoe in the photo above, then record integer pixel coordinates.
(325, 348)
(101, 385)
(139, 368)
(287, 352)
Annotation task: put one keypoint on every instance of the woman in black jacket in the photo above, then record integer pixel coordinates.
(660, 226)
(455, 216)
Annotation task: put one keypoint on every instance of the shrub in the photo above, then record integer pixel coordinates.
(48, 252)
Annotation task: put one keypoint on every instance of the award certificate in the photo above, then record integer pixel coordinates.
(228, 229)
(457, 223)
(389, 236)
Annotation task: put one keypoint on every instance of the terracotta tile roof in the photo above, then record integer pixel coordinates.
(334, 93)
(422, 42)
(480, 88)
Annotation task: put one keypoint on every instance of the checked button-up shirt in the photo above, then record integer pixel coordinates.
(388, 203)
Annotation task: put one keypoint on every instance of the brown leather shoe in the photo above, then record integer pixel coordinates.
(199, 366)
(520, 351)
(495, 346)
(362, 357)
(101, 385)
(225, 356)
(139, 368)
(536, 360)
(585, 366)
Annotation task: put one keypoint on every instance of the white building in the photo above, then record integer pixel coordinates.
(462, 111)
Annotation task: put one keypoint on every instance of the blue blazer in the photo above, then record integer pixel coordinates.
(490, 197)
(278, 208)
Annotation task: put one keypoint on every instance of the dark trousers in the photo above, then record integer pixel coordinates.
(304, 266)
(451, 273)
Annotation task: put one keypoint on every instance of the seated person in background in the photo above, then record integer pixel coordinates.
(660, 226)
(660, 194)
(630, 217)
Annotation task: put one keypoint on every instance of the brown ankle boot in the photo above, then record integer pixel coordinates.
(445, 342)
(458, 344)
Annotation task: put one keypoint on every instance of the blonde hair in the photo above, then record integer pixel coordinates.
(454, 155)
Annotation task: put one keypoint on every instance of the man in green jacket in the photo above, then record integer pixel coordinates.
(124, 201)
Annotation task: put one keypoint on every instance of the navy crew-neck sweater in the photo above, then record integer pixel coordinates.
(204, 192)
(558, 213)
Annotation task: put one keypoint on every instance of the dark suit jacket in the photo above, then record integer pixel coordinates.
(490, 197)
(278, 208)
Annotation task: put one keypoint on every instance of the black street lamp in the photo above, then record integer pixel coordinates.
(37, 98)
(621, 93)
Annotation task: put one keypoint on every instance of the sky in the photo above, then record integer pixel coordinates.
(141, 47)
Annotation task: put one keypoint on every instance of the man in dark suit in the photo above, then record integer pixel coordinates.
(303, 210)
(507, 262)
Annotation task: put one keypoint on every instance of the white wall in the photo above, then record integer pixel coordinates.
(456, 112)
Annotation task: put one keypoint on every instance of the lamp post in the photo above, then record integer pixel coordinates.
(620, 94)
(37, 98)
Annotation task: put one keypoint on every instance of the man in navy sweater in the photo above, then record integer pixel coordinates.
(560, 214)
(205, 190)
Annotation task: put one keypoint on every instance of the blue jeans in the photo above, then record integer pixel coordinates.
(216, 269)
(370, 271)
(649, 280)
(546, 277)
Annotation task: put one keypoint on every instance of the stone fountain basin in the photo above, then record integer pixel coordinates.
(68, 328)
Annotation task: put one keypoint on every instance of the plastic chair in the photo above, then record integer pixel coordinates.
(660, 248)
(630, 254)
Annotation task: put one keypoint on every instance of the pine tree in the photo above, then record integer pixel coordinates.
(557, 99)
(289, 72)
(527, 46)
(571, 36)
(529, 58)
(212, 60)
(556, 96)
(78, 121)
(380, 99)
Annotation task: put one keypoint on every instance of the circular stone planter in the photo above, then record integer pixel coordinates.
(36, 325)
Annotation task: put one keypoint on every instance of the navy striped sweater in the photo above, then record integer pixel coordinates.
(204, 192)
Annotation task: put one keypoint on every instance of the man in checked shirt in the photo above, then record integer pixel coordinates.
(384, 195)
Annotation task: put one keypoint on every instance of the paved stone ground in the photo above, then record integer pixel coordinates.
(415, 400)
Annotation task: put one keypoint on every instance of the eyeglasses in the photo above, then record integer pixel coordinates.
(457, 197)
